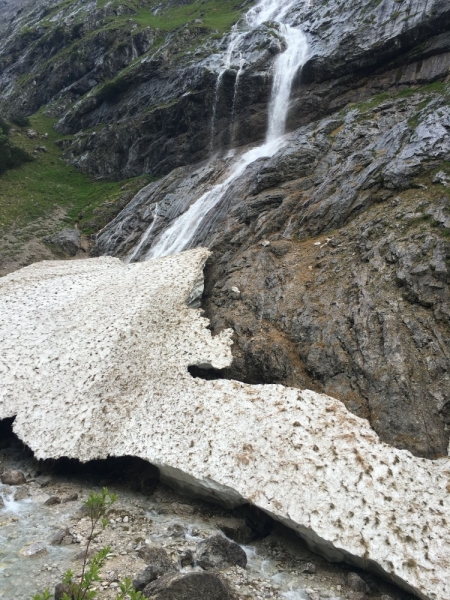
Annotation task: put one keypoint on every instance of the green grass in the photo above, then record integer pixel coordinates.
(214, 14)
(426, 90)
(37, 188)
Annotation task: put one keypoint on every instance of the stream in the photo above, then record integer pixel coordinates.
(280, 566)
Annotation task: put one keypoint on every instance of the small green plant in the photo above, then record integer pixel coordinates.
(96, 506)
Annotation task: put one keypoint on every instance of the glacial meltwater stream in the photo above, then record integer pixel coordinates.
(181, 232)
(279, 566)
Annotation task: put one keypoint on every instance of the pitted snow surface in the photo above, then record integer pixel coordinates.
(93, 362)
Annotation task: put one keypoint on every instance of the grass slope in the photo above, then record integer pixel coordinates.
(35, 189)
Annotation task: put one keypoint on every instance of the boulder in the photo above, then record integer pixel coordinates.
(34, 549)
(52, 501)
(60, 537)
(186, 558)
(356, 583)
(219, 553)
(13, 477)
(68, 240)
(193, 586)
(158, 564)
(236, 529)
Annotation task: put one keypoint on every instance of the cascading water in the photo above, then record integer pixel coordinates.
(180, 234)
(146, 236)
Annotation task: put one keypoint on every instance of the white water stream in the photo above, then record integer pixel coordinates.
(182, 231)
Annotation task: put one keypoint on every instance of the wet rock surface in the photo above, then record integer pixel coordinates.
(143, 525)
(331, 262)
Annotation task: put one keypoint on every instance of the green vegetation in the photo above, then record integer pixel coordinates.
(96, 506)
(37, 188)
(214, 14)
(11, 156)
(426, 91)
(20, 121)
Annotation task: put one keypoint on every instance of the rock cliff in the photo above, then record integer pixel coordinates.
(339, 248)
(94, 362)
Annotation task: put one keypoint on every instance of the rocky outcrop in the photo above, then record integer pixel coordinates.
(135, 104)
(68, 240)
(330, 261)
(109, 376)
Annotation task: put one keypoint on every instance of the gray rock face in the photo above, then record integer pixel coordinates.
(155, 114)
(13, 478)
(69, 240)
(219, 553)
(207, 586)
(353, 287)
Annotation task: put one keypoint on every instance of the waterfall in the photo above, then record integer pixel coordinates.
(180, 234)
(145, 237)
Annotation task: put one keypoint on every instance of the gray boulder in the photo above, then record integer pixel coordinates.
(60, 536)
(236, 529)
(158, 562)
(13, 478)
(356, 583)
(191, 586)
(219, 553)
(68, 240)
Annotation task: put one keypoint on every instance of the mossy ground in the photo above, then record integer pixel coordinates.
(37, 188)
(46, 195)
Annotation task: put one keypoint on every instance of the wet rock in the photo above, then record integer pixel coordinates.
(236, 529)
(158, 562)
(193, 586)
(52, 501)
(71, 498)
(34, 549)
(219, 553)
(176, 530)
(60, 537)
(13, 477)
(69, 240)
(356, 583)
(186, 558)
(21, 493)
